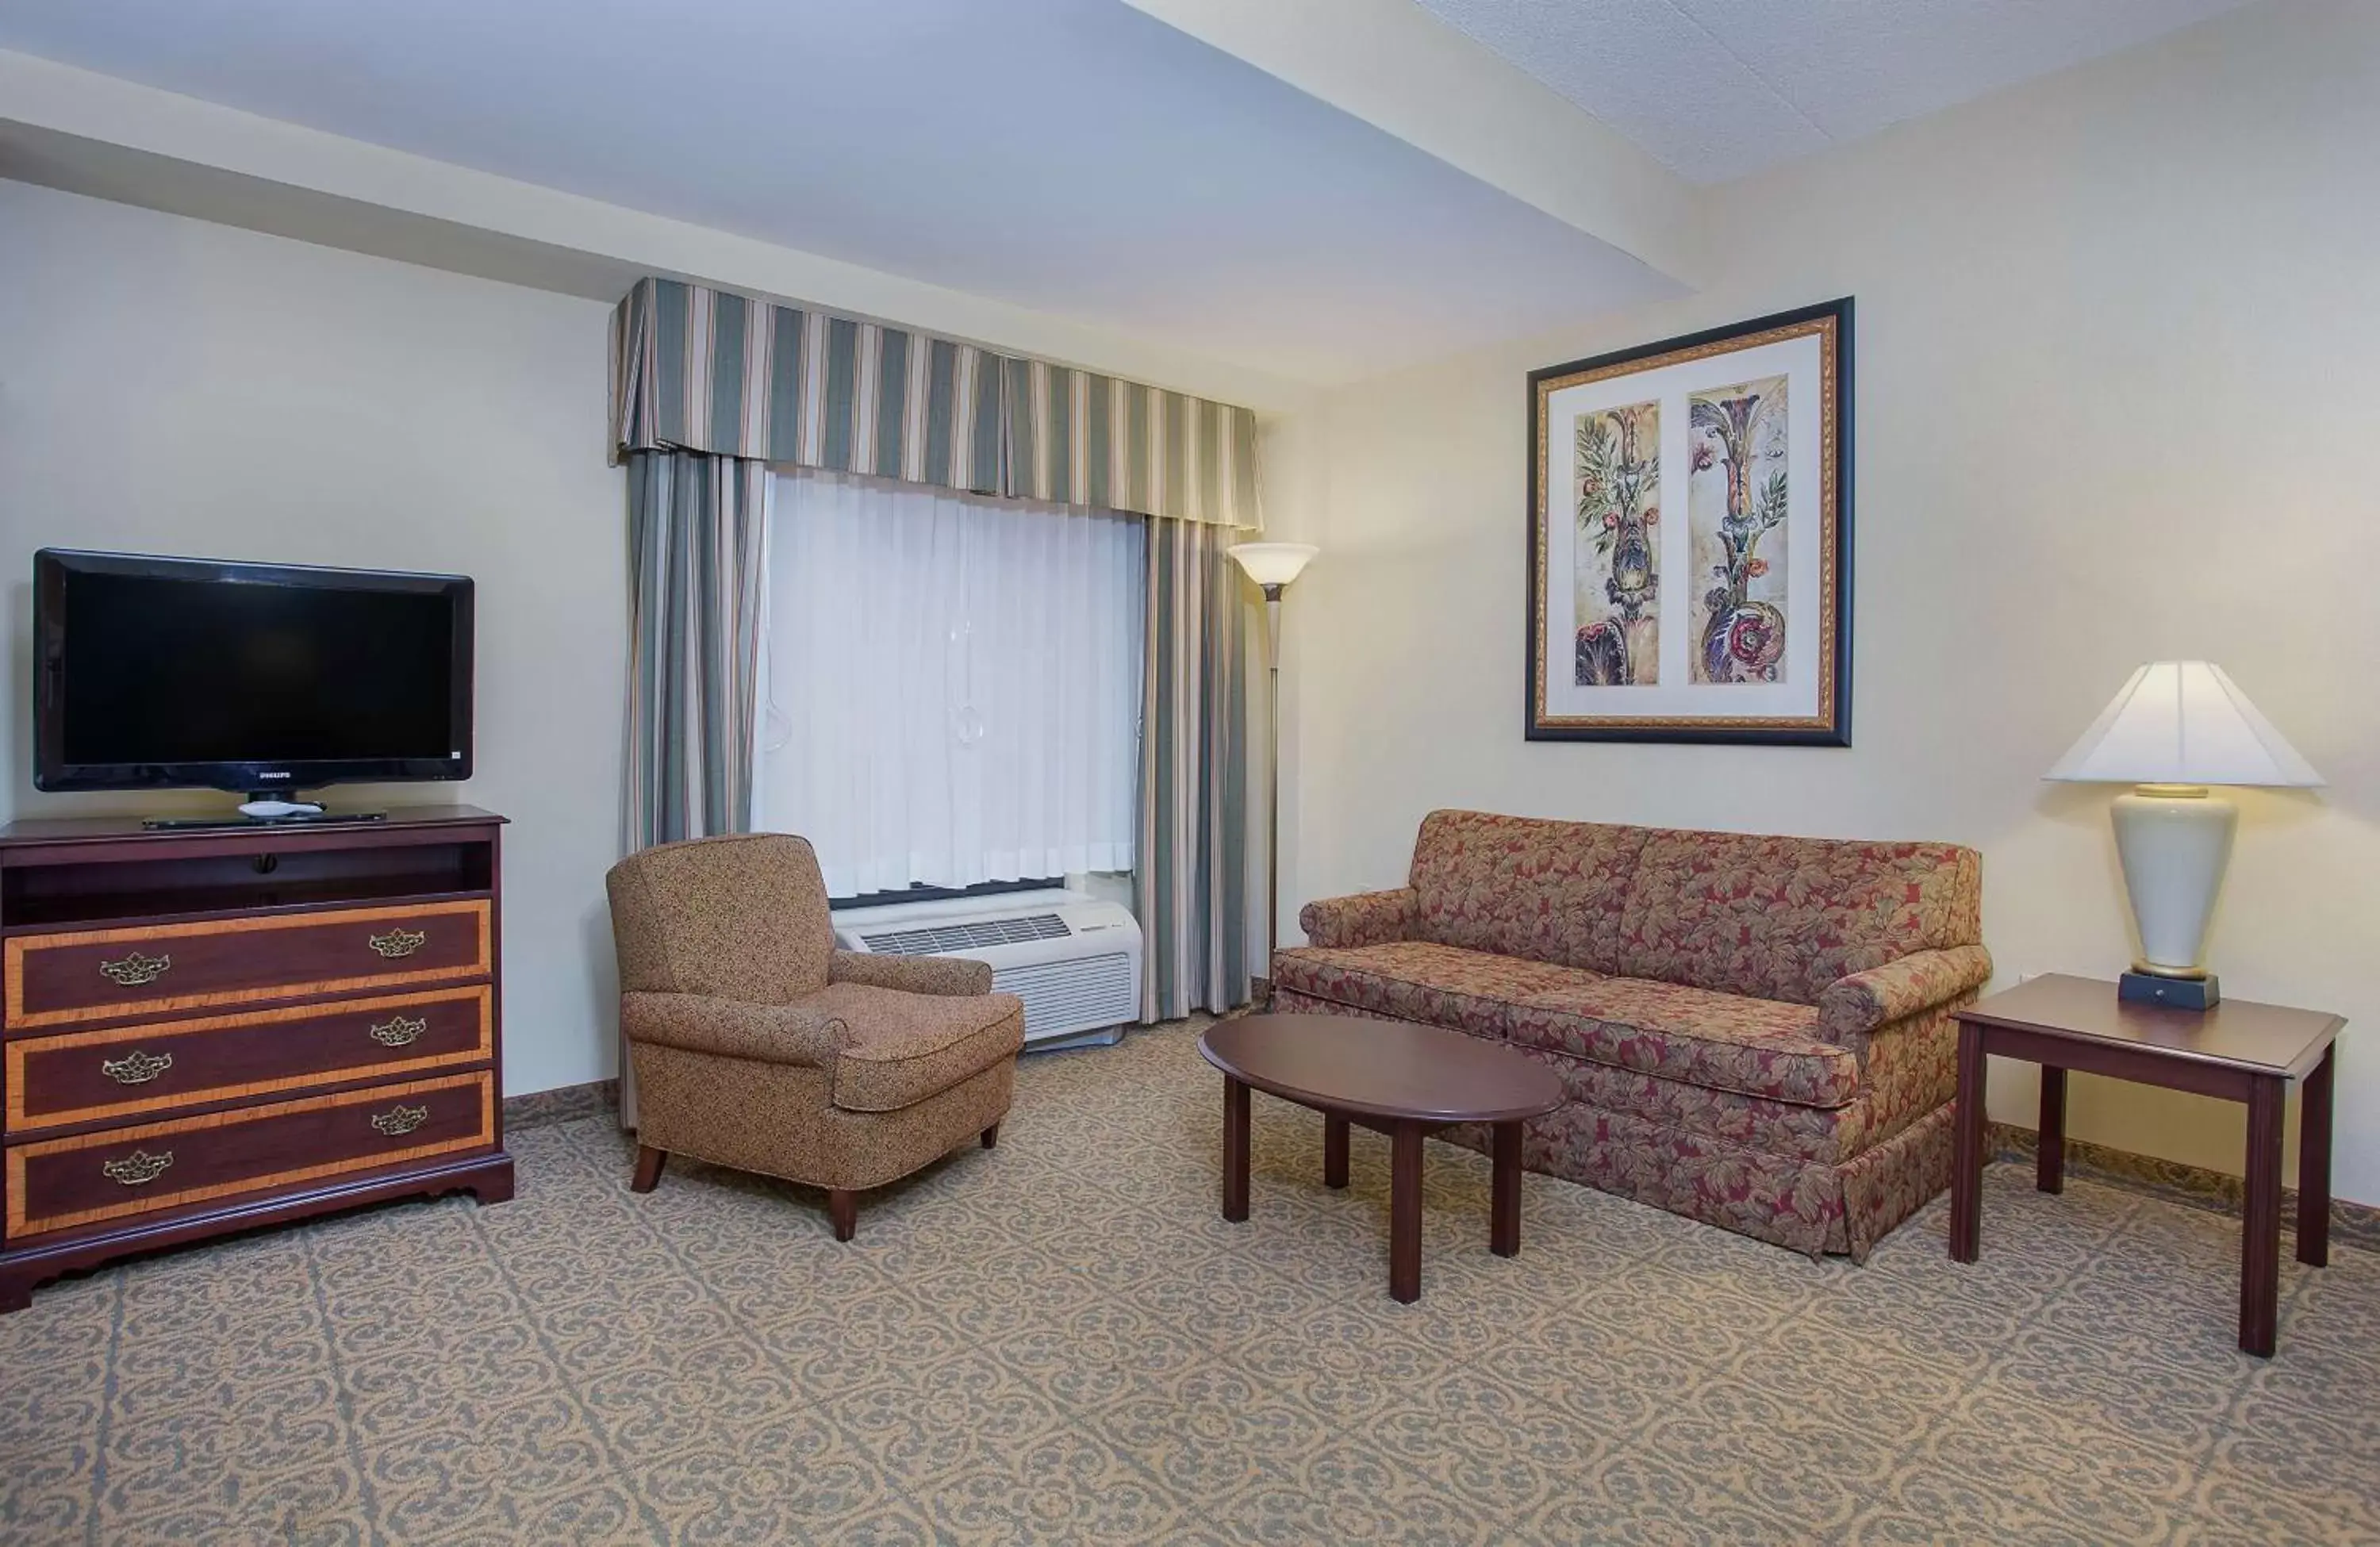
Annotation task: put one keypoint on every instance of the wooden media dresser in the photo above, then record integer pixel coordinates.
(214, 1029)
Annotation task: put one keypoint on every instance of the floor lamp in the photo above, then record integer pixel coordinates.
(1272, 566)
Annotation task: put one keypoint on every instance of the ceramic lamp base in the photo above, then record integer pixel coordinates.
(2175, 841)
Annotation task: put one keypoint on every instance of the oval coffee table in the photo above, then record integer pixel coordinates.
(1396, 1078)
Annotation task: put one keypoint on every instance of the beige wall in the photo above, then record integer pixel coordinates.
(171, 386)
(2115, 344)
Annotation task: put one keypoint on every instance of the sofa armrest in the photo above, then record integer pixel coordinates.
(1854, 1008)
(951, 976)
(733, 1028)
(1364, 918)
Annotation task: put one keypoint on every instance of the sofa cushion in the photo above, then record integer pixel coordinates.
(1722, 1041)
(1549, 891)
(1782, 917)
(1414, 979)
(901, 1048)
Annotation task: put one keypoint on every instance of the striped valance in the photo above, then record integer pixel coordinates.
(697, 369)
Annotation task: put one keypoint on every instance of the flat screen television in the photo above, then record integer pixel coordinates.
(153, 672)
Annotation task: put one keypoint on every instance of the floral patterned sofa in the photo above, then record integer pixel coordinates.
(1754, 1031)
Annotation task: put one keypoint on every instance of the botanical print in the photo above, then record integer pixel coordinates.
(1735, 520)
(1728, 623)
(1617, 567)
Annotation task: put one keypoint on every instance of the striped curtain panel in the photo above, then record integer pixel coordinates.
(696, 567)
(696, 369)
(1190, 889)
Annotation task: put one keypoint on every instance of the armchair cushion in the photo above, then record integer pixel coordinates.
(734, 1029)
(744, 917)
(905, 1047)
(1364, 918)
(948, 975)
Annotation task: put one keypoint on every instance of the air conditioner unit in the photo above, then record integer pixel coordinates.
(1074, 959)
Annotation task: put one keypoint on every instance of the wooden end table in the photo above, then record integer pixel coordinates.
(2240, 1050)
(1393, 1077)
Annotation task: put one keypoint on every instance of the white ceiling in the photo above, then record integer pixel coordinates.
(1075, 156)
(1087, 161)
(1716, 89)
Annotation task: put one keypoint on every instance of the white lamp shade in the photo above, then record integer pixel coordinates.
(1273, 563)
(2183, 723)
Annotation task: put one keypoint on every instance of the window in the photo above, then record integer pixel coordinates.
(952, 683)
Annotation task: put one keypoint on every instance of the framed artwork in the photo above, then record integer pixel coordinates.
(1690, 538)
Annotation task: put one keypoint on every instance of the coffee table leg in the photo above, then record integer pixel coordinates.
(1405, 1213)
(2049, 1164)
(1334, 1150)
(1967, 1150)
(1504, 1210)
(2314, 1165)
(1236, 1150)
(2260, 1252)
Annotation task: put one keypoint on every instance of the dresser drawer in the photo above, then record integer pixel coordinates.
(86, 1076)
(57, 1183)
(97, 974)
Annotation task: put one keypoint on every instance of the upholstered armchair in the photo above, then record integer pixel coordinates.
(758, 1045)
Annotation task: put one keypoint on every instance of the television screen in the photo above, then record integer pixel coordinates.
(158, 672)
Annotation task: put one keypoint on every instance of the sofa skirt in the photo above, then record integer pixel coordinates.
(1843, 1206)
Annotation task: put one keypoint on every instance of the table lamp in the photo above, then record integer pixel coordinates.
(2177, 727)
(1272, 566)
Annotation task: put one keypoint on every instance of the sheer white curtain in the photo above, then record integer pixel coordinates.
(953, 684)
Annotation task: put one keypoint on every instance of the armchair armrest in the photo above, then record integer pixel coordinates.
(733, 1028)
(1364, 918)
(1854, 1008)
(954, 976)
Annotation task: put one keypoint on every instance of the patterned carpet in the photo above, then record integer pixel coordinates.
(1059, 1340)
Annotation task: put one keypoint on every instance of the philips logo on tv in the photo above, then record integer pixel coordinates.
(283, 774)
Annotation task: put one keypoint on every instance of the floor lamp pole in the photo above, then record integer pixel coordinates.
(1272, 783)
(1271, 566)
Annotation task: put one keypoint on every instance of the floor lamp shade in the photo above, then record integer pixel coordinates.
(2175, 728)
(1273, 563)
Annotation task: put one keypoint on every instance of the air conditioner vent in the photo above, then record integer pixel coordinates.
(1074, 959)
(1065, 995)
(975, 935)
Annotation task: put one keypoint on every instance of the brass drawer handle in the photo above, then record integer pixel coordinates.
(136, 1168)
(399, 1032)
(399, 941)
(136, 1067)
(400, 1119)
(136, 969)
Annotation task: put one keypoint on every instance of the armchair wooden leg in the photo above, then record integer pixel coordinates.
(842, 1207)
(649, 1162)
(991, 1135)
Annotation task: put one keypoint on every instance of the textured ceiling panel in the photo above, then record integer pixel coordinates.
(1650, 70)
(1718, 89)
